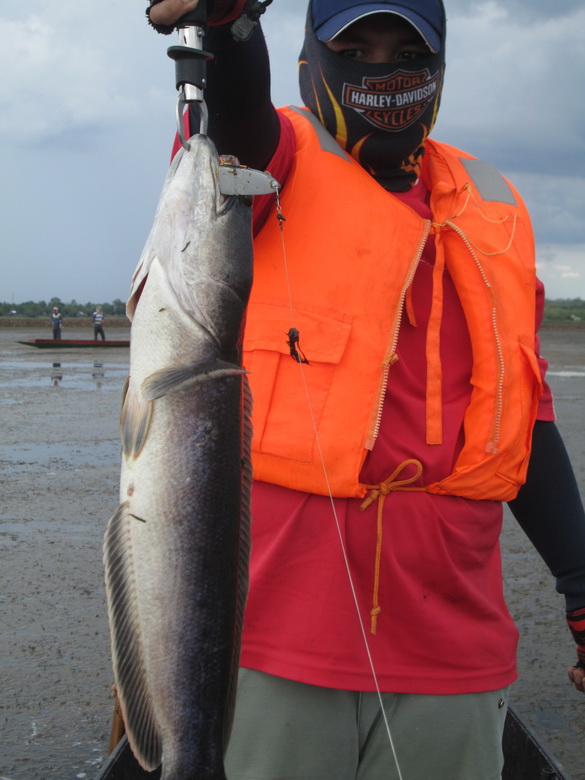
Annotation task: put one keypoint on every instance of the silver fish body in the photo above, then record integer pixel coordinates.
(176, 551)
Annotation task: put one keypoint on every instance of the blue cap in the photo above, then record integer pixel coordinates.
(330, 17)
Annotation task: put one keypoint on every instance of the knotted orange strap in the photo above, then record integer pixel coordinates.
(434, 399)
(409, 306)
(380, 492)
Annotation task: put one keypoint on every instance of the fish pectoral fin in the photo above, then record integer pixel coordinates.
(127, 649)
(173, 378)
(134, 422)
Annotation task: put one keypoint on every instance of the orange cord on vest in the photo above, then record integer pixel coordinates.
(379, 493)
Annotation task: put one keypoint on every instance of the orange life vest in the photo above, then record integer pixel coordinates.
(341, 277)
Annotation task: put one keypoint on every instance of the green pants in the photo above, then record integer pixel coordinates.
(284, 730)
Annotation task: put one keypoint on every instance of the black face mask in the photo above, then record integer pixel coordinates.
(379, 113)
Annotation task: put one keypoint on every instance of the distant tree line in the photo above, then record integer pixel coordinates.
(71, 309)
(564, 310)
(560, 310)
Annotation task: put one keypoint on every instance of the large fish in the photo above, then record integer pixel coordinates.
(176, 551)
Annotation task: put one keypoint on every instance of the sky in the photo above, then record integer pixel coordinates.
(87, 118)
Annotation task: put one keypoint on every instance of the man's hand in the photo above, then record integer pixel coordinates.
(168, 12)
(577, 677)
(576, 623)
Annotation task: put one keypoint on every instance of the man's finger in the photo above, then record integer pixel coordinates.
(577, 677)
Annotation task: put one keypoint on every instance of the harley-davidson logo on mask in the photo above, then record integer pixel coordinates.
(392, 102)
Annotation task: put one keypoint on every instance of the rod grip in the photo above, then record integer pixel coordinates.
(198, 16)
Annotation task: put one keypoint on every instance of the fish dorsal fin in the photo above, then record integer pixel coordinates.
(127, 650)
(244, 552)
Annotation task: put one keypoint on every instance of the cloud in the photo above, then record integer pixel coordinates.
(528, 12)
(76, 73)
(556, 204)
(561, 268)
(513, 86)
(60, 83)
(284, 30)
(87, 104)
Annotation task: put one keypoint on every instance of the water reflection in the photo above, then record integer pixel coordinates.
(98, 374)
(75, 379)
(56, 374)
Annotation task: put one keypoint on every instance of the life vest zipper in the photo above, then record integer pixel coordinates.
(494, 440)
(390, 355)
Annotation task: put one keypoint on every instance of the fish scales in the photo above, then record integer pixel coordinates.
(176, 550)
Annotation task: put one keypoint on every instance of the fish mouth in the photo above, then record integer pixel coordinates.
(225, 203)
(221, 198)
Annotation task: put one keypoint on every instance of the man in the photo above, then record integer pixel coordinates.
(98, 324)
(410, 272)
(56, 323)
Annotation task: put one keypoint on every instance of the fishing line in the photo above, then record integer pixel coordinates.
(281, 220)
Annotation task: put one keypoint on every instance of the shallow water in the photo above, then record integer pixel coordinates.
(59, 467)
(67, 375)
(20, 458)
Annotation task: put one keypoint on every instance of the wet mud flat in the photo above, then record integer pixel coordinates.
(59, 461)
(59, 471)
(542, 695)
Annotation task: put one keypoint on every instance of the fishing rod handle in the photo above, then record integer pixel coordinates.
(195, 18)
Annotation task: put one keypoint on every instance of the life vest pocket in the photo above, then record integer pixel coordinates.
(289, 396)
(526, 405)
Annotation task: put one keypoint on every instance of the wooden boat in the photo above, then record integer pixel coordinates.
(526, 757)
(70, 343)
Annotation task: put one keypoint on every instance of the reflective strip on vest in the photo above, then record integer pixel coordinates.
(490, 183)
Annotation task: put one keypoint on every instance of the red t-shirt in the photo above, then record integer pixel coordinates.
(444, 627)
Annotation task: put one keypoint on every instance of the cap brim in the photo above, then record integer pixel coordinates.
(341, 21)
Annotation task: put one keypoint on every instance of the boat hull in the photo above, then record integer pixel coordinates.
(526, 757)
(72, 343)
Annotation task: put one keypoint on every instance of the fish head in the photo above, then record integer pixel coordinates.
(203, 240)
(217, 277)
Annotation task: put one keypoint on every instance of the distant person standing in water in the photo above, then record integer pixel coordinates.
(56, 323)
(98, 319)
